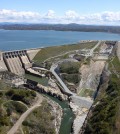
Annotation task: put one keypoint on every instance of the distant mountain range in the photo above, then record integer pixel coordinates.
(60, 27)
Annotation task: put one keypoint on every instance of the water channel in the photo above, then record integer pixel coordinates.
(68, 116)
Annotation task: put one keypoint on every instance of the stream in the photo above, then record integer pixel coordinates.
(68, 116)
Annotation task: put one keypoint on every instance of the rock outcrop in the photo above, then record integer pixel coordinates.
(80, 115)
(52, 89)
(57, 112)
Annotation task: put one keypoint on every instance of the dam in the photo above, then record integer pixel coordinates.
(2, 64)
(15, 62)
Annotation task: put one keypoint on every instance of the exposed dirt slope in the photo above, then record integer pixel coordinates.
(32, 53)
(118, 50)
(90, 75)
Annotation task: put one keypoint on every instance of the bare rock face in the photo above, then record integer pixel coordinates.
(90, 75)
(53, 89)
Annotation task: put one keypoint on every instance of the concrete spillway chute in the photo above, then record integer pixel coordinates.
(2, 64)
(17, 61)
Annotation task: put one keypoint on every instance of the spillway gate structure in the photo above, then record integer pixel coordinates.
(17, 61)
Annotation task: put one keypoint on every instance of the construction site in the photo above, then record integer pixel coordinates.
(92, 65)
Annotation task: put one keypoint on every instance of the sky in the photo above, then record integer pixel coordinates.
(98, 12)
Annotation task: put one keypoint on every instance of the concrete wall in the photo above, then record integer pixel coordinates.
(32, 53)
(17, 61)
(2, 64)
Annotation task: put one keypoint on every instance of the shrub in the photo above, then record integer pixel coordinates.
(23, 95)
(69, 67)
(1, 94)
(40, 120)
(10, 93)
(74, 78)
(14, 106)
(4, 121)
(33, 93)
(105, 114)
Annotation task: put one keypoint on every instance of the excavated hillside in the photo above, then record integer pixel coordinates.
(104, 115)
(118, 50)
(90, 75)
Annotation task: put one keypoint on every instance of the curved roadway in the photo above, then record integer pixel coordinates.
(14, 129)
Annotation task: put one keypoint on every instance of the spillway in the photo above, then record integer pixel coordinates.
(2, 64)
(17, 61)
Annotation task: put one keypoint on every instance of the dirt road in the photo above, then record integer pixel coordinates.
(24, 115)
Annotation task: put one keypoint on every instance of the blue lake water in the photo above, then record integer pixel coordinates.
(23, 39)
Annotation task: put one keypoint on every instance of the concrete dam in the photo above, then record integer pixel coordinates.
(15, 61)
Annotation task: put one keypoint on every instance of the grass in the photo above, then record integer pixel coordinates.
(116, 64)
(98, 48)
(4, 86)
(86, 93)
(43, 81)
(48, 52)
(87, 61)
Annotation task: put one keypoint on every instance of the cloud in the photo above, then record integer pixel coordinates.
(111, 16)
(70, 16)
(15, 16)
(50, 14)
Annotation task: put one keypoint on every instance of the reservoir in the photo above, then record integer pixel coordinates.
(25, 39)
